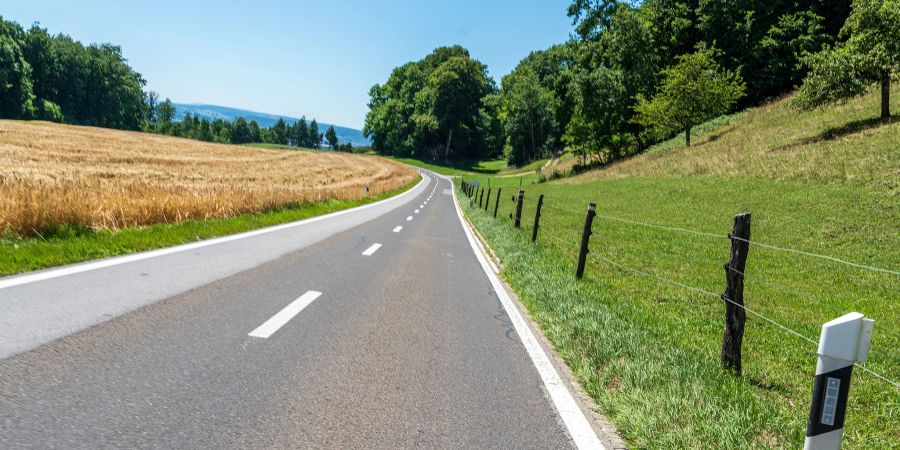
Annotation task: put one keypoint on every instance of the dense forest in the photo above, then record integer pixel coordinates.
(56, 78)
(634, 73)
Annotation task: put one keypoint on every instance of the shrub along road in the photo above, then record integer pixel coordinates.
(363, 329)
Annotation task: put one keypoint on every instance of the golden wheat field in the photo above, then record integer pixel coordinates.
(53, 174)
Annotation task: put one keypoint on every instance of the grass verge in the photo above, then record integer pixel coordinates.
(66, 245)
(456, 168)
(648, 351)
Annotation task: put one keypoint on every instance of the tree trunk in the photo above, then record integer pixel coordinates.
(447, 149)
(531, 123)
(687, 136)
(885, 94)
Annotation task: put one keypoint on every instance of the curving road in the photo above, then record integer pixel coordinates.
(376, 327)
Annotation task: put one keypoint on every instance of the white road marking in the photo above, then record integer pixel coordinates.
(417, 211)
(115, 261)
(576, 423)
(397, 229)
(409, 219)
(371, 250)
(284, 316)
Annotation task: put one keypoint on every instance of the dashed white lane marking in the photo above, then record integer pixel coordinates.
(416, 211)
(397, 229)
(422, 205)
(284, 316)
(371, 250)
(409, 219)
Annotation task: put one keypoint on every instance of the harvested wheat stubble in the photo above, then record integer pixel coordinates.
(53, 175)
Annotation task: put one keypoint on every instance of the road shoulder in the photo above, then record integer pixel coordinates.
(602, 427)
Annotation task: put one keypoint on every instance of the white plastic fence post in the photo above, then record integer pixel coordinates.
(843, 341)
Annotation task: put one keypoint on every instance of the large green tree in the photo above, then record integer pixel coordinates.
(693, 91)
(871, 54)
(527, 114)
(436, 107)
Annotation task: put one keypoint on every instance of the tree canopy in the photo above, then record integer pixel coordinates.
(692, 91)
(58, 78)
(436, 107)
(870, 54)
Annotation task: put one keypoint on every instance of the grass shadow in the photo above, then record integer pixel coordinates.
(469, 165)
(847, 129)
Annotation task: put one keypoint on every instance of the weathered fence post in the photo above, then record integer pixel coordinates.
(843, 341)
(487, 201)
(585, 239)
(735, 316)
(367, 189)
(481, 198)
(519, 207)
(497, 203)
(537, 218)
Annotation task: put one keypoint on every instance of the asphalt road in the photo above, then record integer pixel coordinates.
(344, 332)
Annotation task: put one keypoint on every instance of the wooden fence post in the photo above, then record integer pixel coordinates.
(497, 203)
(585, 239)
(519, 207)
(487, 201)
(537, 218)
(735, 316)
(481, 198)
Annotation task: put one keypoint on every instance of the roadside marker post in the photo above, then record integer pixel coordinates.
(843, 341)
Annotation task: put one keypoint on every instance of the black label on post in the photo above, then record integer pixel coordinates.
(829, 404)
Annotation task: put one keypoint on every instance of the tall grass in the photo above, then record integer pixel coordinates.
(844, 144)
(54, 176)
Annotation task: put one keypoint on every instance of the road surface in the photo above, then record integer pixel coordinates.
(372, 328)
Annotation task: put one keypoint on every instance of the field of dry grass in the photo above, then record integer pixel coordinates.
(52, 175)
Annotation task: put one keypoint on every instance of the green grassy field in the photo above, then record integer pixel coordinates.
(68, 245)
(647, 349)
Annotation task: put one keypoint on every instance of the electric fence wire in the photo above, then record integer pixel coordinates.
(772, 322)
(724, 236)
(755, 313)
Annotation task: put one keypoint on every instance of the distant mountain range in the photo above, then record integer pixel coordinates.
(212, 112)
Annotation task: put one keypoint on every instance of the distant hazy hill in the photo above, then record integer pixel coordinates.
(213, 112)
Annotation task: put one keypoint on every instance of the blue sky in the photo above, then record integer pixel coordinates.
(296, 57)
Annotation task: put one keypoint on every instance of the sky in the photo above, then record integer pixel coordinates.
(296, 58)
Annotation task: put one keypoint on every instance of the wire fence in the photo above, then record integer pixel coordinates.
(575, 224)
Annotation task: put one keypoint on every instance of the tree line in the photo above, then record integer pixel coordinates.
(635, 73)
(56, 78)
(161, 120)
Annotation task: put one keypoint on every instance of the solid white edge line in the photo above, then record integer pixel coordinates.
(117, 260)
(579, 428)
(269, 327)
(371, 250)
(397, 229)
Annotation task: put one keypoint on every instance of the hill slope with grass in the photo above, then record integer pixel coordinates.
(846, 144)
(643, 330)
